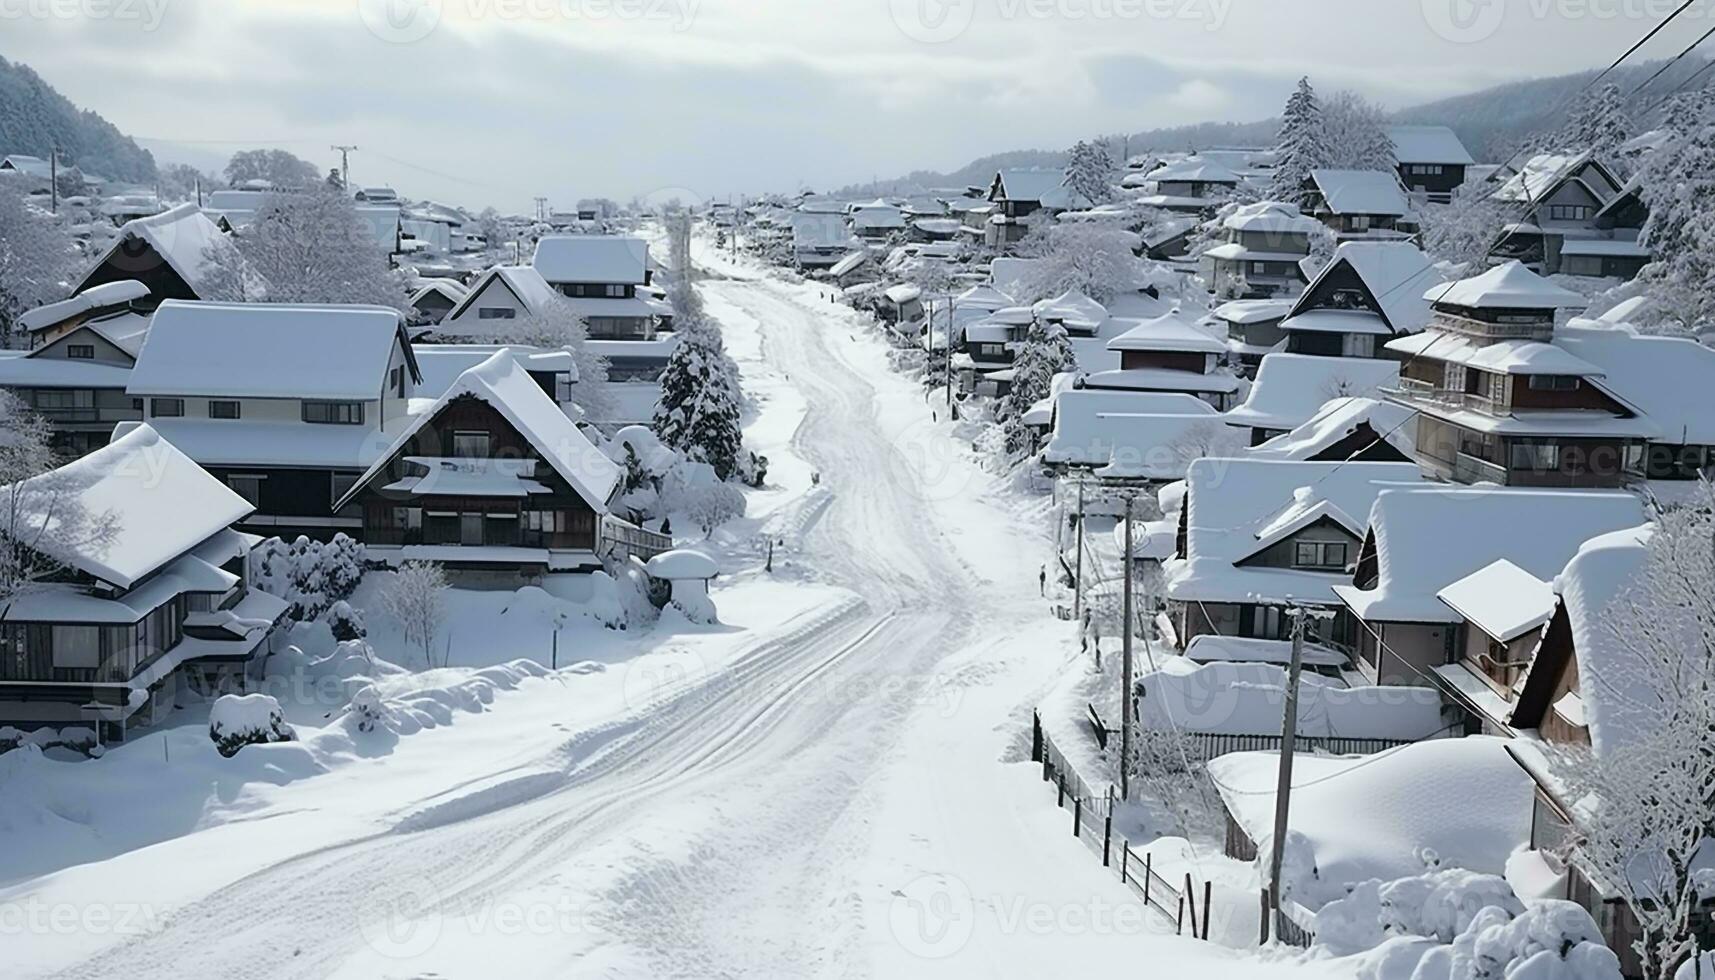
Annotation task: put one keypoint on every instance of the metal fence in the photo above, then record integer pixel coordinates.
(1093, 823)
(1215, 745)
(621, 539)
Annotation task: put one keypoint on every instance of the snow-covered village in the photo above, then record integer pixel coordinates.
(566, 488)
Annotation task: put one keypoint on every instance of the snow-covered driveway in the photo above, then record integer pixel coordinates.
(835, 803)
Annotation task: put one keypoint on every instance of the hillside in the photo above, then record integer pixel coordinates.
(34, 117)
(1491, 122)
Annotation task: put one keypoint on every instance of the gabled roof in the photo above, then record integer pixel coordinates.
(1193, 170)
(1046, 186)
(592, 259)
(1671, 380)
(1271, 216)
(1502, 599)
(1338, 420)
(507, 388)
(1501, 357)
(1422, 541)
(269, 350)
(1600, 574)
(108, 295)
(1290, 389)
(1168, 332)
(1544, 174)
(181, 237)
(1362, 192)
(1395, 274)
(1428, 144)
(524, 283)
(160, 504)
(33, 166)
(454, 291)
(1151, 445)
(984, 297)
(1509, 285)
(1072, 306)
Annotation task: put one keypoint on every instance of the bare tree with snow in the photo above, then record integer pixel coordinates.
(417, 598)
(1678, 186)
(308, 247)
(1649, 783)
(1354, 132)
(559, 327)
(1091, 257)
(36, 259)
(41, 516)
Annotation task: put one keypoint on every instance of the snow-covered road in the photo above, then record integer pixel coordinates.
(840, 800)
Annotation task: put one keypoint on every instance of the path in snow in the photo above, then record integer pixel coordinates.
(832, 805)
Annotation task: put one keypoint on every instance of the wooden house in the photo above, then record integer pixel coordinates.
(80, 365)
(1360, 204)
(1367, 294)
(601, 276)
(1556, 199)
(1263, 250)
(167, 252)
(1432, 160)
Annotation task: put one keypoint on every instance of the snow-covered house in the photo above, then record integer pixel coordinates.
(149, 592)
(20, 164)
(601, 276)
(1168, 353)
(1253, 329)
(1555, 199)
(434, 299)
(1420, 542)
(167, 252)
(1133, 444)
(1432, 160)
(496, 481)
(1359, 203)
(75, 375)
(1192, 185)
(821, 239)
(1367, 294)
(1254, 535)
(1500, 402)
(877, 221)
(493, 306)
(1356, 429)
(1290, 390)
(286, 403)
(1265, 244)
(1020, 193)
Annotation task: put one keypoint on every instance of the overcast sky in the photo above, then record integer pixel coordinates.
(497, 101)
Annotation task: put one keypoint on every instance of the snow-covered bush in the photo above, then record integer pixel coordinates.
(345, 622)
(238, 720)
(312, 576)
(695, 492)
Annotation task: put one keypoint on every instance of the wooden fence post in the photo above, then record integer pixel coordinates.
(1263, 939)
(1077, 816)
(1125, 859)
(1208, 907)
(1179, 920)
(1035, 737)
(1107, 839)
(1148, 873)
(1061, 802)
(1190, 895)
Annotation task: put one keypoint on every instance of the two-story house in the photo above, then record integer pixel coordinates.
(1192, 185)
(878, 221)
(1020, 194)
(285, 403)
(1432, 160)
(1360, 204)
(1500, 402)
(1291, 389)
(821, 239)
(142, 592)
(495, 481)
(1265, 244)
(1169, 354)
(76, 372)
(1368, 294)
(602, 277)
(1555, 199)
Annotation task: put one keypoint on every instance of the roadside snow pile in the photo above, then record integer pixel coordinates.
(76, 737)
(312, 576)
(249, 719)
(412, 711)
(1458, 925)
(1250, 699)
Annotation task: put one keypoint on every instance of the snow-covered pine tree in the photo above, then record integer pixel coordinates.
(1302, 146)
(1046, 351)
(1599, 122)
(1090, 171)
(1678, 186)
(699, 411)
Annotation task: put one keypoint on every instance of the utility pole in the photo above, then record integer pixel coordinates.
(54, 181)
(1078, 577)
(1283, 786)
(344, 163)
(1126, 707)
(198, 183)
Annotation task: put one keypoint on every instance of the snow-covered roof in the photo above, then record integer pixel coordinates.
(1602, 571)
(160, 504)
(522, 281)
(1246, 698)
(118, 293)
(25, 164)
(682, 563)
(1273, 217)
(1671, 380)
(1543, 173)
(1506, 286)
(820, 230)
(1163, 379)
(1047, 186)
(268, 350)
(181, 236)
(849, 263)
(1239, 507)
(1425, 540)
(451, 289)
(1501, 599)
(1397, 275)
(1376, 192)
(1073, 306)
(503, 383)
(1366, 817)
(1338, 419)
(878, 215)
(984, 297)
(1290, 389)
(443, 363)
(1247, 311)
(1213, 648)
(1193, 170)
(1428, 144)
(1502, 357)
(1083, 405)
(902, 293)
(592, 259)
(1142, 445)
(1168, 332)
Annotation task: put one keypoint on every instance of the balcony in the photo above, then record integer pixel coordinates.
(1542, 331)
(1428, 393)
(89, 415)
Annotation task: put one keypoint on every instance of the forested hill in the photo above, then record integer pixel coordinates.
(34, 117)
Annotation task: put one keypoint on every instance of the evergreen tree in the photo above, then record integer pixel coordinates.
(1302, 146)
(1678, 186)
(699, 411)
(1090, 171)
(1046, 352)
(1599, 123)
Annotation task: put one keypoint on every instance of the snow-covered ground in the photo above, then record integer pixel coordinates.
(830, 785)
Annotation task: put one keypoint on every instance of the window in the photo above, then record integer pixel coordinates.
(167, 408)
(396, 381)
(1259, 268)
(81, 352)
(1553, 382)
(77, 647)
(1425, 169)
(470, 528)
(222, 409)
(248, 486)
(1569, 212)
(340, 485)
(470, 444)
(1358, 222)
(615, 291)
(1320, 554)
(408, 518)
(1540, 457)
(334, 413)
(492, 313)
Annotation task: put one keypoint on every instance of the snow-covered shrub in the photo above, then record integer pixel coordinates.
(345, 622)
(695, 492)
(312, 576)
(249, 719)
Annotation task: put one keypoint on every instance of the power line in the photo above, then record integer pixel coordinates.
(1671, 62)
